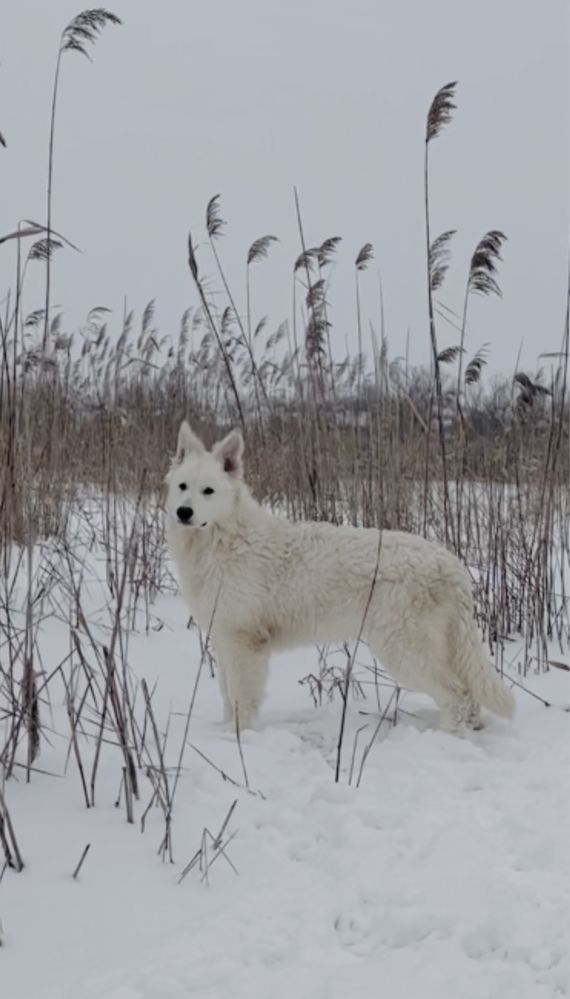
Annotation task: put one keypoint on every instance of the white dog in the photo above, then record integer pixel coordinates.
(257, 582)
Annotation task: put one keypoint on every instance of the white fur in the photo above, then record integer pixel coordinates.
(257, 583)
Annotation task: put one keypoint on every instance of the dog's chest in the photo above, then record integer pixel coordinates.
(208, 579)
(202, 582)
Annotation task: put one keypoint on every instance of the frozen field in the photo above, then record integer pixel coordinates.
(443, 874)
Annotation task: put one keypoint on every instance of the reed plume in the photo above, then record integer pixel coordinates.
(475, 367)
(214, 221)
(439, 256)
(441, 111)
(327, 250)
(260, 248)
(483, 266)
(364, 256)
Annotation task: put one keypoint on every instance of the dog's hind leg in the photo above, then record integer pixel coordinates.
(459, 711)
(245, 663)
(474, 720)
(412, 667)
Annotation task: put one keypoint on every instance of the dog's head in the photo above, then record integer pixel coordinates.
(201, 484)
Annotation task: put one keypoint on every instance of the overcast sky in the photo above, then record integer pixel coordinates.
(248, 98)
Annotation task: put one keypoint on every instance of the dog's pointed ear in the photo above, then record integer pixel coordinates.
(229, 453)
(188, 443)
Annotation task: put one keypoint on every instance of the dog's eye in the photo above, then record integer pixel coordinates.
(183, 486)
(207, 491)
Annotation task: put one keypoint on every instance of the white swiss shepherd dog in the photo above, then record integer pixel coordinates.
(256, 583)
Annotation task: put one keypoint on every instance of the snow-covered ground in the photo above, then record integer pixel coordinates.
(443, 875)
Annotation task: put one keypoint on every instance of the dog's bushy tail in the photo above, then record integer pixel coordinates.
(477, 671)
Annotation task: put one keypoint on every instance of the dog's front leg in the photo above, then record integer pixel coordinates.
(224, 690)
(243, 663)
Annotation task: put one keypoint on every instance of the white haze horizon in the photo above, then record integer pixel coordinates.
(251, 100)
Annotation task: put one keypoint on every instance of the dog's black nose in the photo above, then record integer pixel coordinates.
(185, 514)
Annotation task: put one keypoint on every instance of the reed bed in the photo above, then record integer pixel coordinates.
(88, 421)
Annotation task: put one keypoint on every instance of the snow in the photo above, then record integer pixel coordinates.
(445, 873)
